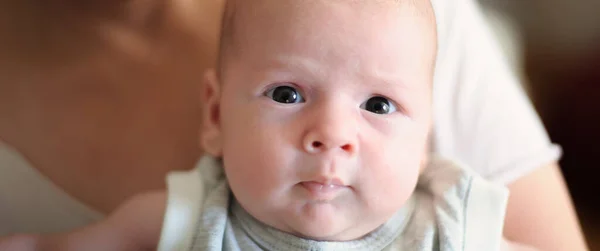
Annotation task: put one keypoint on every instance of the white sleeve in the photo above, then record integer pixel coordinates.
(485, 206)
(482, 116)
(184, 202)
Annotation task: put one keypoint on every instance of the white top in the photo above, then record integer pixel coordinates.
(452, 208)
(30, 202)
(482, 118)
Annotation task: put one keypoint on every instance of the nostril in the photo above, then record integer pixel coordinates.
(347, 147)
(317, 144)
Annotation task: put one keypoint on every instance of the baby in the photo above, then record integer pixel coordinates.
(316, 126)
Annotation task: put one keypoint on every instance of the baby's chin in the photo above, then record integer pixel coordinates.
(326, 222)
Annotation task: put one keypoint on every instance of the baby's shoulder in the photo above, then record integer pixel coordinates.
(188, 194)
(204, 177)
(446, 179)
(458, 206)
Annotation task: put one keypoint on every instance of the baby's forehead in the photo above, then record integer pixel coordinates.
(244, 16)
(251, 25)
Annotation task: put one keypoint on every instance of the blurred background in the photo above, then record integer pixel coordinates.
(555, 46)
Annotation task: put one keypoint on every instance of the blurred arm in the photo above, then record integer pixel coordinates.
(540, 212)
(135, 226)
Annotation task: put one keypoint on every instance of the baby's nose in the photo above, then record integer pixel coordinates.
(319, 141)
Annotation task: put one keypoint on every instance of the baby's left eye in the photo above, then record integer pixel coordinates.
(379, 105)
(285, 95)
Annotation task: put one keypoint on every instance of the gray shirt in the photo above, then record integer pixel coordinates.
(451, 209)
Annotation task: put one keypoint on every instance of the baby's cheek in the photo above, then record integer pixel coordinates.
(259, 154)
(399, 181)
(389, 186)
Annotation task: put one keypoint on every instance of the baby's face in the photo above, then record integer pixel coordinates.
(323, 113)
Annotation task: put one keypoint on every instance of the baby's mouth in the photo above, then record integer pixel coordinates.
(323, 191)
(316, 186)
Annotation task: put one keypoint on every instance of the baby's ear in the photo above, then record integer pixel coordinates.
(210, 138)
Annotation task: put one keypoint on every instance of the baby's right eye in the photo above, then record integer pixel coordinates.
(285, 95)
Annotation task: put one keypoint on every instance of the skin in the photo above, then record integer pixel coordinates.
(538, 202)
(123, 102)
(23, 122)
(127, 229)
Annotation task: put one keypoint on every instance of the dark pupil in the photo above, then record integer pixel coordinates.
(285, 94)
(378, 105)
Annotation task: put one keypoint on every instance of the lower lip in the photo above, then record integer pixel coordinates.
(322, 192)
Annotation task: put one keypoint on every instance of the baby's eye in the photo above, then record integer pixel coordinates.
(285, 95)
(379, 105)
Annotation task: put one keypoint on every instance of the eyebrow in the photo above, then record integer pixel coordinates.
(310, 66)
(299, 63)
(388, 79)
